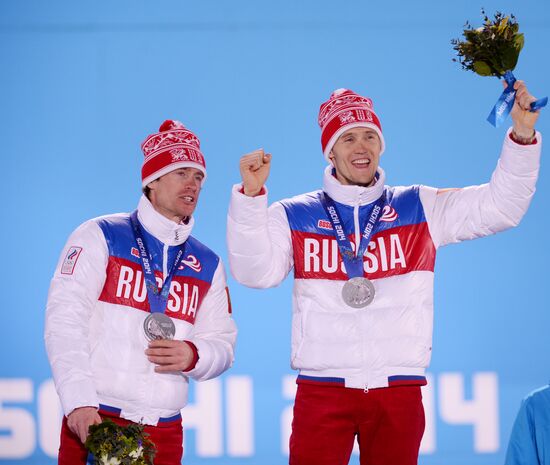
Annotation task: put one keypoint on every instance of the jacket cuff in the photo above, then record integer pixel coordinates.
(244, 209)
(521, 159)
(262, 191)
(195, 359)
(517, 141)
(75, 395)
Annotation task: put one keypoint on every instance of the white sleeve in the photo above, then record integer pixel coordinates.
(456, 215)
(258, 240)
(214, 331)
(74, 290)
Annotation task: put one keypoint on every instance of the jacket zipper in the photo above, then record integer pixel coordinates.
(357, 242)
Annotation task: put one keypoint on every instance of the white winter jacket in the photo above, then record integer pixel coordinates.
(97, 305)
(389, 342)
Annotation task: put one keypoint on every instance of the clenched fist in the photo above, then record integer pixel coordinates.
(254, 168)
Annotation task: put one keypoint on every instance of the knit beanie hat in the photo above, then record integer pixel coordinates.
(173, 147)
(346, 110)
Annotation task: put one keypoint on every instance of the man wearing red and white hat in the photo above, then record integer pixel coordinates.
(137, 306)
(363, 255)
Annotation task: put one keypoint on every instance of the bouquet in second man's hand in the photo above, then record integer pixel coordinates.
(493, 50)
(112, 444)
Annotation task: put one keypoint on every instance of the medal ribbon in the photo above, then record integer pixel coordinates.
(352, 261)
(157, 297)
(506, 101)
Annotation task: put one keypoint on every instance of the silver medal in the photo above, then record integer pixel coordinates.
(159, 326)
(358, 292)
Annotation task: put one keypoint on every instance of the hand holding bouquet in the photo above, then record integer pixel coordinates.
(493, 50)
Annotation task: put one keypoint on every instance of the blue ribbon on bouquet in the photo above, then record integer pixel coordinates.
(506, 101)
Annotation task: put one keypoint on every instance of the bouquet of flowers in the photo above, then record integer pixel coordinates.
(493, 50)
(112, 444)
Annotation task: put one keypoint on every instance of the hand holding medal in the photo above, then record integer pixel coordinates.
(493, 50)
(169, 355)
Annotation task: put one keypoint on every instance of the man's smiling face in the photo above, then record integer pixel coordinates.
(355, 156)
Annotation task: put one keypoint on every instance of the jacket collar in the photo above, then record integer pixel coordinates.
(352, 195)
(165, 230)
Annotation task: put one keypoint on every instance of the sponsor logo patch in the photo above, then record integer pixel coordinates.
(70, 260)
(135, 252)
(388, 214)
(324, 224)
(192, 262)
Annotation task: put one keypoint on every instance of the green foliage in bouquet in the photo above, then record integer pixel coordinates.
(491, 49)
(112, 444)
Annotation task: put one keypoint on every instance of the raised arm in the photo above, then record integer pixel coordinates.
(459, 214)
(258, 238)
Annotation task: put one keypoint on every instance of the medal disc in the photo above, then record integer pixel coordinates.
(159, 326)
(358, 292)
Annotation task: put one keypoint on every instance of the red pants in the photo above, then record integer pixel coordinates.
(168, 440)
(388, 423)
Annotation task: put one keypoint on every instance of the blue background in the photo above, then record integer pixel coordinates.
(83, 83)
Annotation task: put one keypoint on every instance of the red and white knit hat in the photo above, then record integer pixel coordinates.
(345, 110)
(173, 147)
